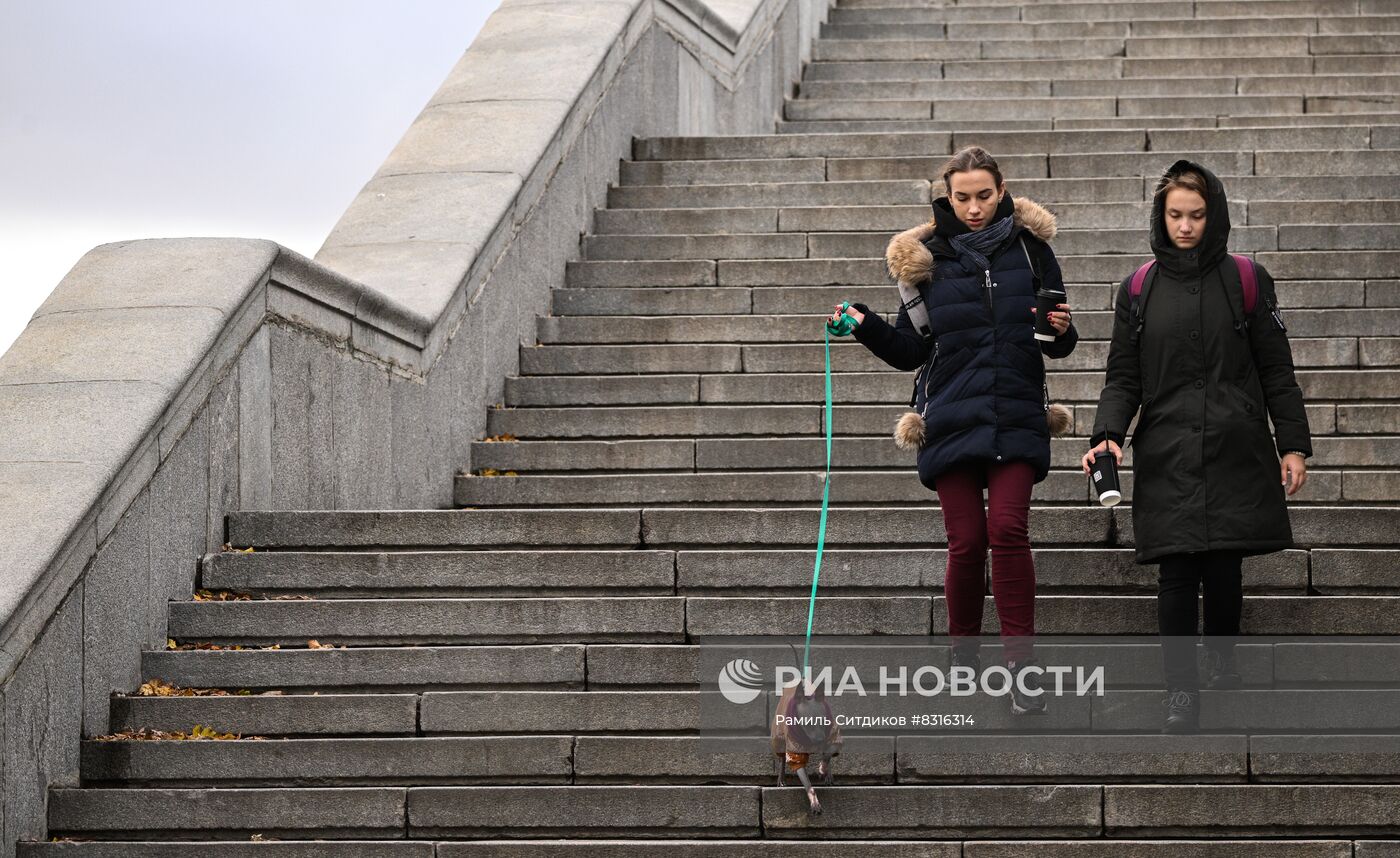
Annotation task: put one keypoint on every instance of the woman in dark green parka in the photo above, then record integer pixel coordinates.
(1209, 480)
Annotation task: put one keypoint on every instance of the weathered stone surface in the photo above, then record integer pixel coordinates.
(276, 714)
(575, 712)
(442, 527)
(439, 572)
(43, 703)
(426, 621)
(1094, 758)
(333, 813)
(249, 849)
(326, 762)
(542, 666)
(585, 810)
(120, 600)
(944, 811)
(1245, 810)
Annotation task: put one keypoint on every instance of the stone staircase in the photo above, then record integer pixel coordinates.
(520, 678)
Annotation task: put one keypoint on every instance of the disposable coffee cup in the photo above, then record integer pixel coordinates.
(1047, 301)
(1105, 475)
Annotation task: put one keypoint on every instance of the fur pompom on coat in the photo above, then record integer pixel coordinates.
(909, 429)
(910, 263)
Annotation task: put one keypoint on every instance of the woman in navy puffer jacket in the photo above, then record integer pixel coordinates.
(984, 418)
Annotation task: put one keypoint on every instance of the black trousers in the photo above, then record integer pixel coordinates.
(1180, 578)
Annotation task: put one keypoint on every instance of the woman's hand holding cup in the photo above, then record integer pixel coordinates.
(1109, 445)
(1058, 320)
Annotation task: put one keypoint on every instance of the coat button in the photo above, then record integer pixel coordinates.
(1200, 383)
(1195, 334)
(998, 458)
(1193, 290)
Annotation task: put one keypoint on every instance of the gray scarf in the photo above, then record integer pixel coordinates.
(975, 247)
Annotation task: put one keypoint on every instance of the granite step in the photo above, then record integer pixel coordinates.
(722, 848)
(1032, 166)
(920, 88)
(1307, 669)
(888, 219)
(1356, 112)
(702, 455)
(970, 109)
(1319, 351)
(884, 387)
(650, 619)
(749, 421)
(1050, 192)
(922, 144)
(754, 328)
(650, 572)
(671, 759)
(852, 486)
(362, 669)
(553, 360)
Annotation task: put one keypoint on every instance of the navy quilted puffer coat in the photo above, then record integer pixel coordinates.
(986, 393)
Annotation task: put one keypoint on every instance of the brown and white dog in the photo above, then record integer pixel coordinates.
(910, 263)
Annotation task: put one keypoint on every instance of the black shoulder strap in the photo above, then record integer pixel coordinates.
(1035, 273)
(1139, 303)
(1234, 296)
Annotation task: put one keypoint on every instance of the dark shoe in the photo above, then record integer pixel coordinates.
(965, 656)
(1026, 704)
(1183, 712)
(1220, 670)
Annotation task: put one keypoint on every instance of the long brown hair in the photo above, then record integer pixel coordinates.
(969, 158)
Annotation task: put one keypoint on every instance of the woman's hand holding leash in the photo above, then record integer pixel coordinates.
(1293, 472)
(1058, 321)
(1109, 445)
(849, 311)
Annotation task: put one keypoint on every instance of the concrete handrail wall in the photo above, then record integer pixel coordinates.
(167, 382)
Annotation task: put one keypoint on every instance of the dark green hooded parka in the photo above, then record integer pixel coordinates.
(1205, 467)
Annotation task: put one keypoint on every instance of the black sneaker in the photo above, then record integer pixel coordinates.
(1183, 711)
(965, 656)
(1220, 669)
(1026, 704)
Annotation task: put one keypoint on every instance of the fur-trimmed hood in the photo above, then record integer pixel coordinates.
(910, 262)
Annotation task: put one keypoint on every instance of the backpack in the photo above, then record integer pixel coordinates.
(1138, 290)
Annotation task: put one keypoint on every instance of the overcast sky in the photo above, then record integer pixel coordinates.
(124, 119)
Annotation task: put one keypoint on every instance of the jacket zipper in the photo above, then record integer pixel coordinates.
(928, 378)
(992, 318)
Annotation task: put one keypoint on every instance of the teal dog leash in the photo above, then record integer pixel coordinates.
(842, 327)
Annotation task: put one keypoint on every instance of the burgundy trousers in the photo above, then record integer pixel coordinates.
(1004, 527)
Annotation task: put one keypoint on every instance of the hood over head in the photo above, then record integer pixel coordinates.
(1212, 247)
(908, 258)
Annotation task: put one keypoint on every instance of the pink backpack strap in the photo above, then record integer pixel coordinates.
(1140, 277)
(1248, 281)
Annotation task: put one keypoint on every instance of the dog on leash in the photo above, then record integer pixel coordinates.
(802, 728)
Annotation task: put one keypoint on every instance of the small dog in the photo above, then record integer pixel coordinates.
(815, 734)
